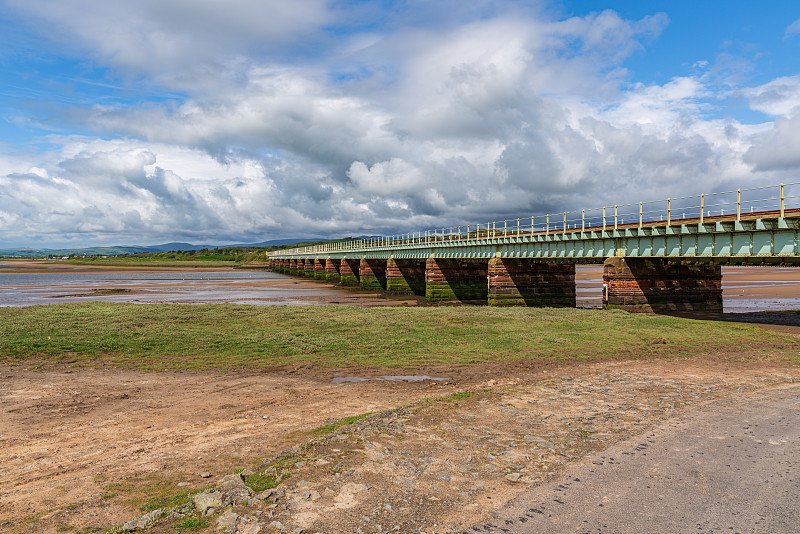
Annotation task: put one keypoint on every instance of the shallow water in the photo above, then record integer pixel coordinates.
(76, 284)
(745, 289)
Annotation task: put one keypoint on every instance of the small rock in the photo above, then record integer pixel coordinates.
(513, 477)
(205, 474)
(142, 522)
(310, 495)
(277, 525)
(208, 503)
(247, 473)
(233, 489)
(264, 495)
(250, 528)
(227, 521)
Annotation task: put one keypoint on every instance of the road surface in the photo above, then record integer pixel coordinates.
(731, 466)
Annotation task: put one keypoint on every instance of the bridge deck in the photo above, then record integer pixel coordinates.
(752, 238)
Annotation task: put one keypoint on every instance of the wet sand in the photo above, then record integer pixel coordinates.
(34, 283)
(26, 283)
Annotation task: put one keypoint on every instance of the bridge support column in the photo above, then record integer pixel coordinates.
(661, 286)
(308, 268)
(405, 277)
(332, 270)
(349, 272)
(456, 280)
(524, 282)
(372, 274)
(319, 269)
(292, 266)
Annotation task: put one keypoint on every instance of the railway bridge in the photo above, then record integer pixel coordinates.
(658, 256)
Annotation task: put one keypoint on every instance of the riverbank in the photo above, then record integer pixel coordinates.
(113, 410)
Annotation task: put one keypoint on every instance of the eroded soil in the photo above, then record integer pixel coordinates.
(71, 438)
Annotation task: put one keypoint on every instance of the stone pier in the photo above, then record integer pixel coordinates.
(308, 268)
(405, 277)
(349, 271)
(319, 270)
(456, 280)
(659, 285)
(332, 270)
(372, 274)
(524, 282)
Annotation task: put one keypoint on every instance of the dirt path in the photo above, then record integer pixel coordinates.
(726, 467)
(67, 435)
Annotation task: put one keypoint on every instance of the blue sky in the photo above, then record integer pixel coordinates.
(193, 120)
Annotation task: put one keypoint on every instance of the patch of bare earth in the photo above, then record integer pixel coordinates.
(437, 466)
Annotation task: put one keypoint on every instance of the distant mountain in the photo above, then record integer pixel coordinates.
(128, 249)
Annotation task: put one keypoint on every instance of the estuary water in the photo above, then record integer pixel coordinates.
(745, 289)
(32, 283)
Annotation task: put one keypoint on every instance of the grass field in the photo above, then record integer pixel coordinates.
(154, 262)
(235, 336)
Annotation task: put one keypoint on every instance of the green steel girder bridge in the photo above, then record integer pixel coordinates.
(659, 256)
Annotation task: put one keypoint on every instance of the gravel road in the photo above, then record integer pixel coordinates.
(731, 466)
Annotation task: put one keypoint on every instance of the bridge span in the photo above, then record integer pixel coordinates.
(658, 256)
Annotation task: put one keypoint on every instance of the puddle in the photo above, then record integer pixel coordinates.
(398, 378)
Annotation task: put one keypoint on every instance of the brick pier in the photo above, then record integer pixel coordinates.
(372, 274)
(332, 270)
(349, 271)
(524, 282)
(456, 280)
(405, 277)
(661, 285)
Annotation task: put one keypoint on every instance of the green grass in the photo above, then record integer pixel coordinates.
(260, 482)
(223, 336)
(333, 427)
(125, 261)
(190, 523)
(151, 493)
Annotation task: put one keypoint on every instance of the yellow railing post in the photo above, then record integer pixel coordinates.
(669, 211)
(782, 201)
(702, 207)
(738, 205)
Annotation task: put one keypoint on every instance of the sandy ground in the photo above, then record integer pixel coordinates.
(67, 434)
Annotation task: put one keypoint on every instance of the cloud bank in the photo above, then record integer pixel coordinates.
(315, 119)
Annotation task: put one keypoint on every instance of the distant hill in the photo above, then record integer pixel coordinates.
(127, 249)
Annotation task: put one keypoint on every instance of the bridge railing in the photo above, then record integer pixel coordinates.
(706, 207)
